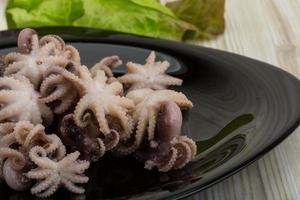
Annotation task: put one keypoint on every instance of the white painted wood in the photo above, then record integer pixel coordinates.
(268, 30)
(3, 24)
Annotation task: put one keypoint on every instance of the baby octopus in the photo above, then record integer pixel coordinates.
(19, 101)
(168, 149)
(147, 103)
(60, 92)
(92, 113)
(151, 75)
(100, 102)
(51, 174)
(37, 55)
(15, 145)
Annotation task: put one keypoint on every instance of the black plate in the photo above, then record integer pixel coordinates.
(243, 108)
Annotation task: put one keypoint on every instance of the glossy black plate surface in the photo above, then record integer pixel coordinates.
(243, 108)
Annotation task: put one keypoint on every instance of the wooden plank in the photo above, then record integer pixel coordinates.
(267, 30)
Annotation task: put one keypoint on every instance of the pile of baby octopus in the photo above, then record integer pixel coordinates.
(57, 115)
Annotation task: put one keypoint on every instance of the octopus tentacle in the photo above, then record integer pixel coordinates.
(106, 64)
(141, 127)
(79, 167)
(167, 80)
(128, 78)
(6, 96)
(191, 145)
(133, 68)
(47, 115)
(67, 75)
(14, 68)
(18, 158)
(115, 88)
(46, 90)
(76, 178)
(48, 192)
(24, 40)
(53, 39)
(100, 115)
(80, 116)
(183, 155)
(6, 128)
(34, 174)
(10, 111)
(70, 158)
(42, 186)
(102, 147)
(125, 103)
(168, 164)
(38, 155)
(111, 141)
(65, 105)
(56, 88)
(72, 187)
(72, 53)
(152, 122)
(117, 111)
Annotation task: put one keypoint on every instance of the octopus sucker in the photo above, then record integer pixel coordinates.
(57, 116)
(150, 75)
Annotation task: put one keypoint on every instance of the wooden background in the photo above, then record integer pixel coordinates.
(268, 30)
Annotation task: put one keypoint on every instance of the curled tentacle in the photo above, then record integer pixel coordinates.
(25, 40)
(56, 40)
(15, 178)
(107, 64)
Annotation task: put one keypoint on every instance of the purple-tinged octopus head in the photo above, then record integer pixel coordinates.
(25, 40)
(90, 146)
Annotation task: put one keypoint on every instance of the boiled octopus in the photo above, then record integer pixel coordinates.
(38, 55)
(167, 149)
(147, 104)
(56, 90)
(44, 88)
(52, 173)
(151, 75)
(15, 146)
(100, 102)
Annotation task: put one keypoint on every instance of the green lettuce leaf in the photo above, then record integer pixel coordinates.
(207, 15)
(32, 13)
(192, 19)
(133, 17)
(154, 4)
